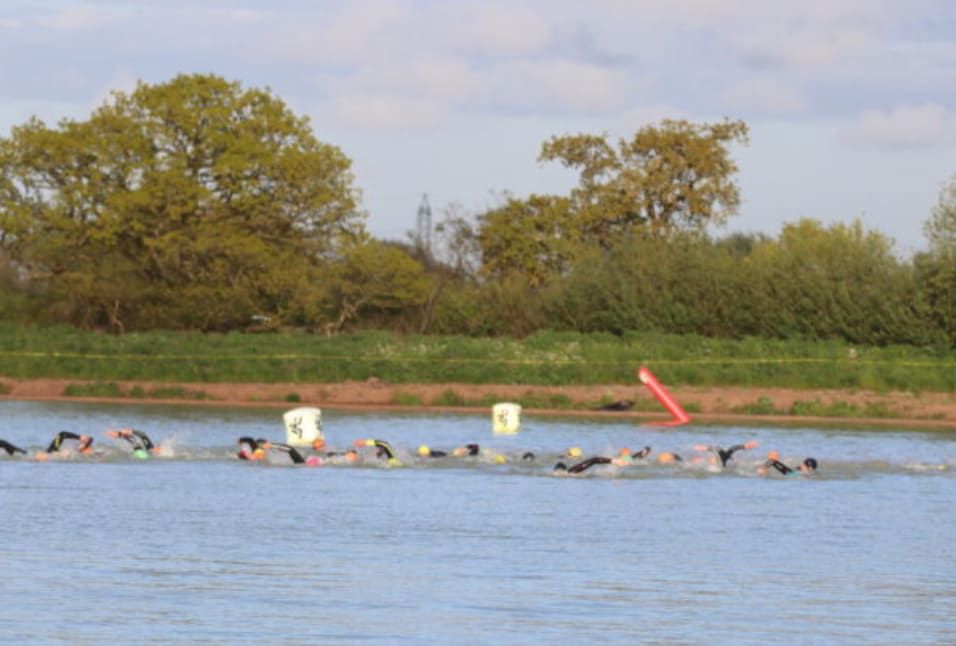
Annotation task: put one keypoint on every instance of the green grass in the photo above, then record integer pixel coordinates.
(406, 399)
(545, 358)
(110, 389)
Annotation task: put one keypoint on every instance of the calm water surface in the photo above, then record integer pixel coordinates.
(203, 548)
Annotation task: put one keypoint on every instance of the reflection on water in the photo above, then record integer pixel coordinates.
(203, 547)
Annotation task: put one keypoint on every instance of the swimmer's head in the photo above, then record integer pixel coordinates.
(313, 461)
(624, 452)
(667, 457)
(351, 455)
(500, 459)
(574, 452)
(560, 467)
(528, 456)
(86, 443)
(809, 465)
(424, 451)
(318, 444)
(752, 444)
(773, 455)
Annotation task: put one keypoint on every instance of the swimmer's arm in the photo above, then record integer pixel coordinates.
(10, 448)
(779, 466)
(389, 452)
(587, 464)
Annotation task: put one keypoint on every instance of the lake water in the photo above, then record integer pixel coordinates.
(200, 547)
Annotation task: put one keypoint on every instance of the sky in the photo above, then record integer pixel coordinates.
(851, 103)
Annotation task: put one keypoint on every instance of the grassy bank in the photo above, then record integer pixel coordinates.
(542, 359)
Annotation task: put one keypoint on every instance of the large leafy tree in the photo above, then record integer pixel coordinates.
(673, 174)
(191, 203)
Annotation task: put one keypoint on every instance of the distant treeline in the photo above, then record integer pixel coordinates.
(197, 205)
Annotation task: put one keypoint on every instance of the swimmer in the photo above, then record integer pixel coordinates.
(293, 454)
(561, 467)
(10, 448)
(527, 456)
(466, 451)
(668, 457)
(142, 445)
(84, 443)
(806, 467)
(725, 455)
(250, 449)
(425, 452)
(382, 450)
(625, 456)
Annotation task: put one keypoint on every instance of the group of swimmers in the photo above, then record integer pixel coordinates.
(253, 449)
(258, 449)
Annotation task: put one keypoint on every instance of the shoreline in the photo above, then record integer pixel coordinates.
(708, 405)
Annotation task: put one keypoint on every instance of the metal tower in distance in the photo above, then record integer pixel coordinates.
(424, 233)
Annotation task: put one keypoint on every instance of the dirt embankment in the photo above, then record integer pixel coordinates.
(707, 404)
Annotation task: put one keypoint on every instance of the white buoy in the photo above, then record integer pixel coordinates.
(303, 426)
(506, 417)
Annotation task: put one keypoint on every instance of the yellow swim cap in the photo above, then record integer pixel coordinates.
(500, 459)
(574, 452)
(424, 451)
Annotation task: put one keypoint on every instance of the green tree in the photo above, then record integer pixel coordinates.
(673, 174)
(941, 227)
(192, 203)
(534, 238)
(373, 277)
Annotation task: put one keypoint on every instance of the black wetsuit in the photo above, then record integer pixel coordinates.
(643, 453)
(67, 435)
(293, 454)
(138, 439)
(10, 448)
(779, 466)
(432, 453)
(383, 449)
(581, 466)
(726, 454)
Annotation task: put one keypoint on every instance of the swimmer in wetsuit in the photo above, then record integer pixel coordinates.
(10, 448)
(382, 450)
(293, 454)
(250, 448)
(561, 467)
(625, 456)
(84, 442)
(806, 467)
(142, 445)
(425, 452)
(725, 455)
(467, 450)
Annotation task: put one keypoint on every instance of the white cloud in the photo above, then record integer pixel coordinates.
(561, 85)
(492, 29)
(762, 94)
(921, 126)
(75, 18)
(386, 111)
